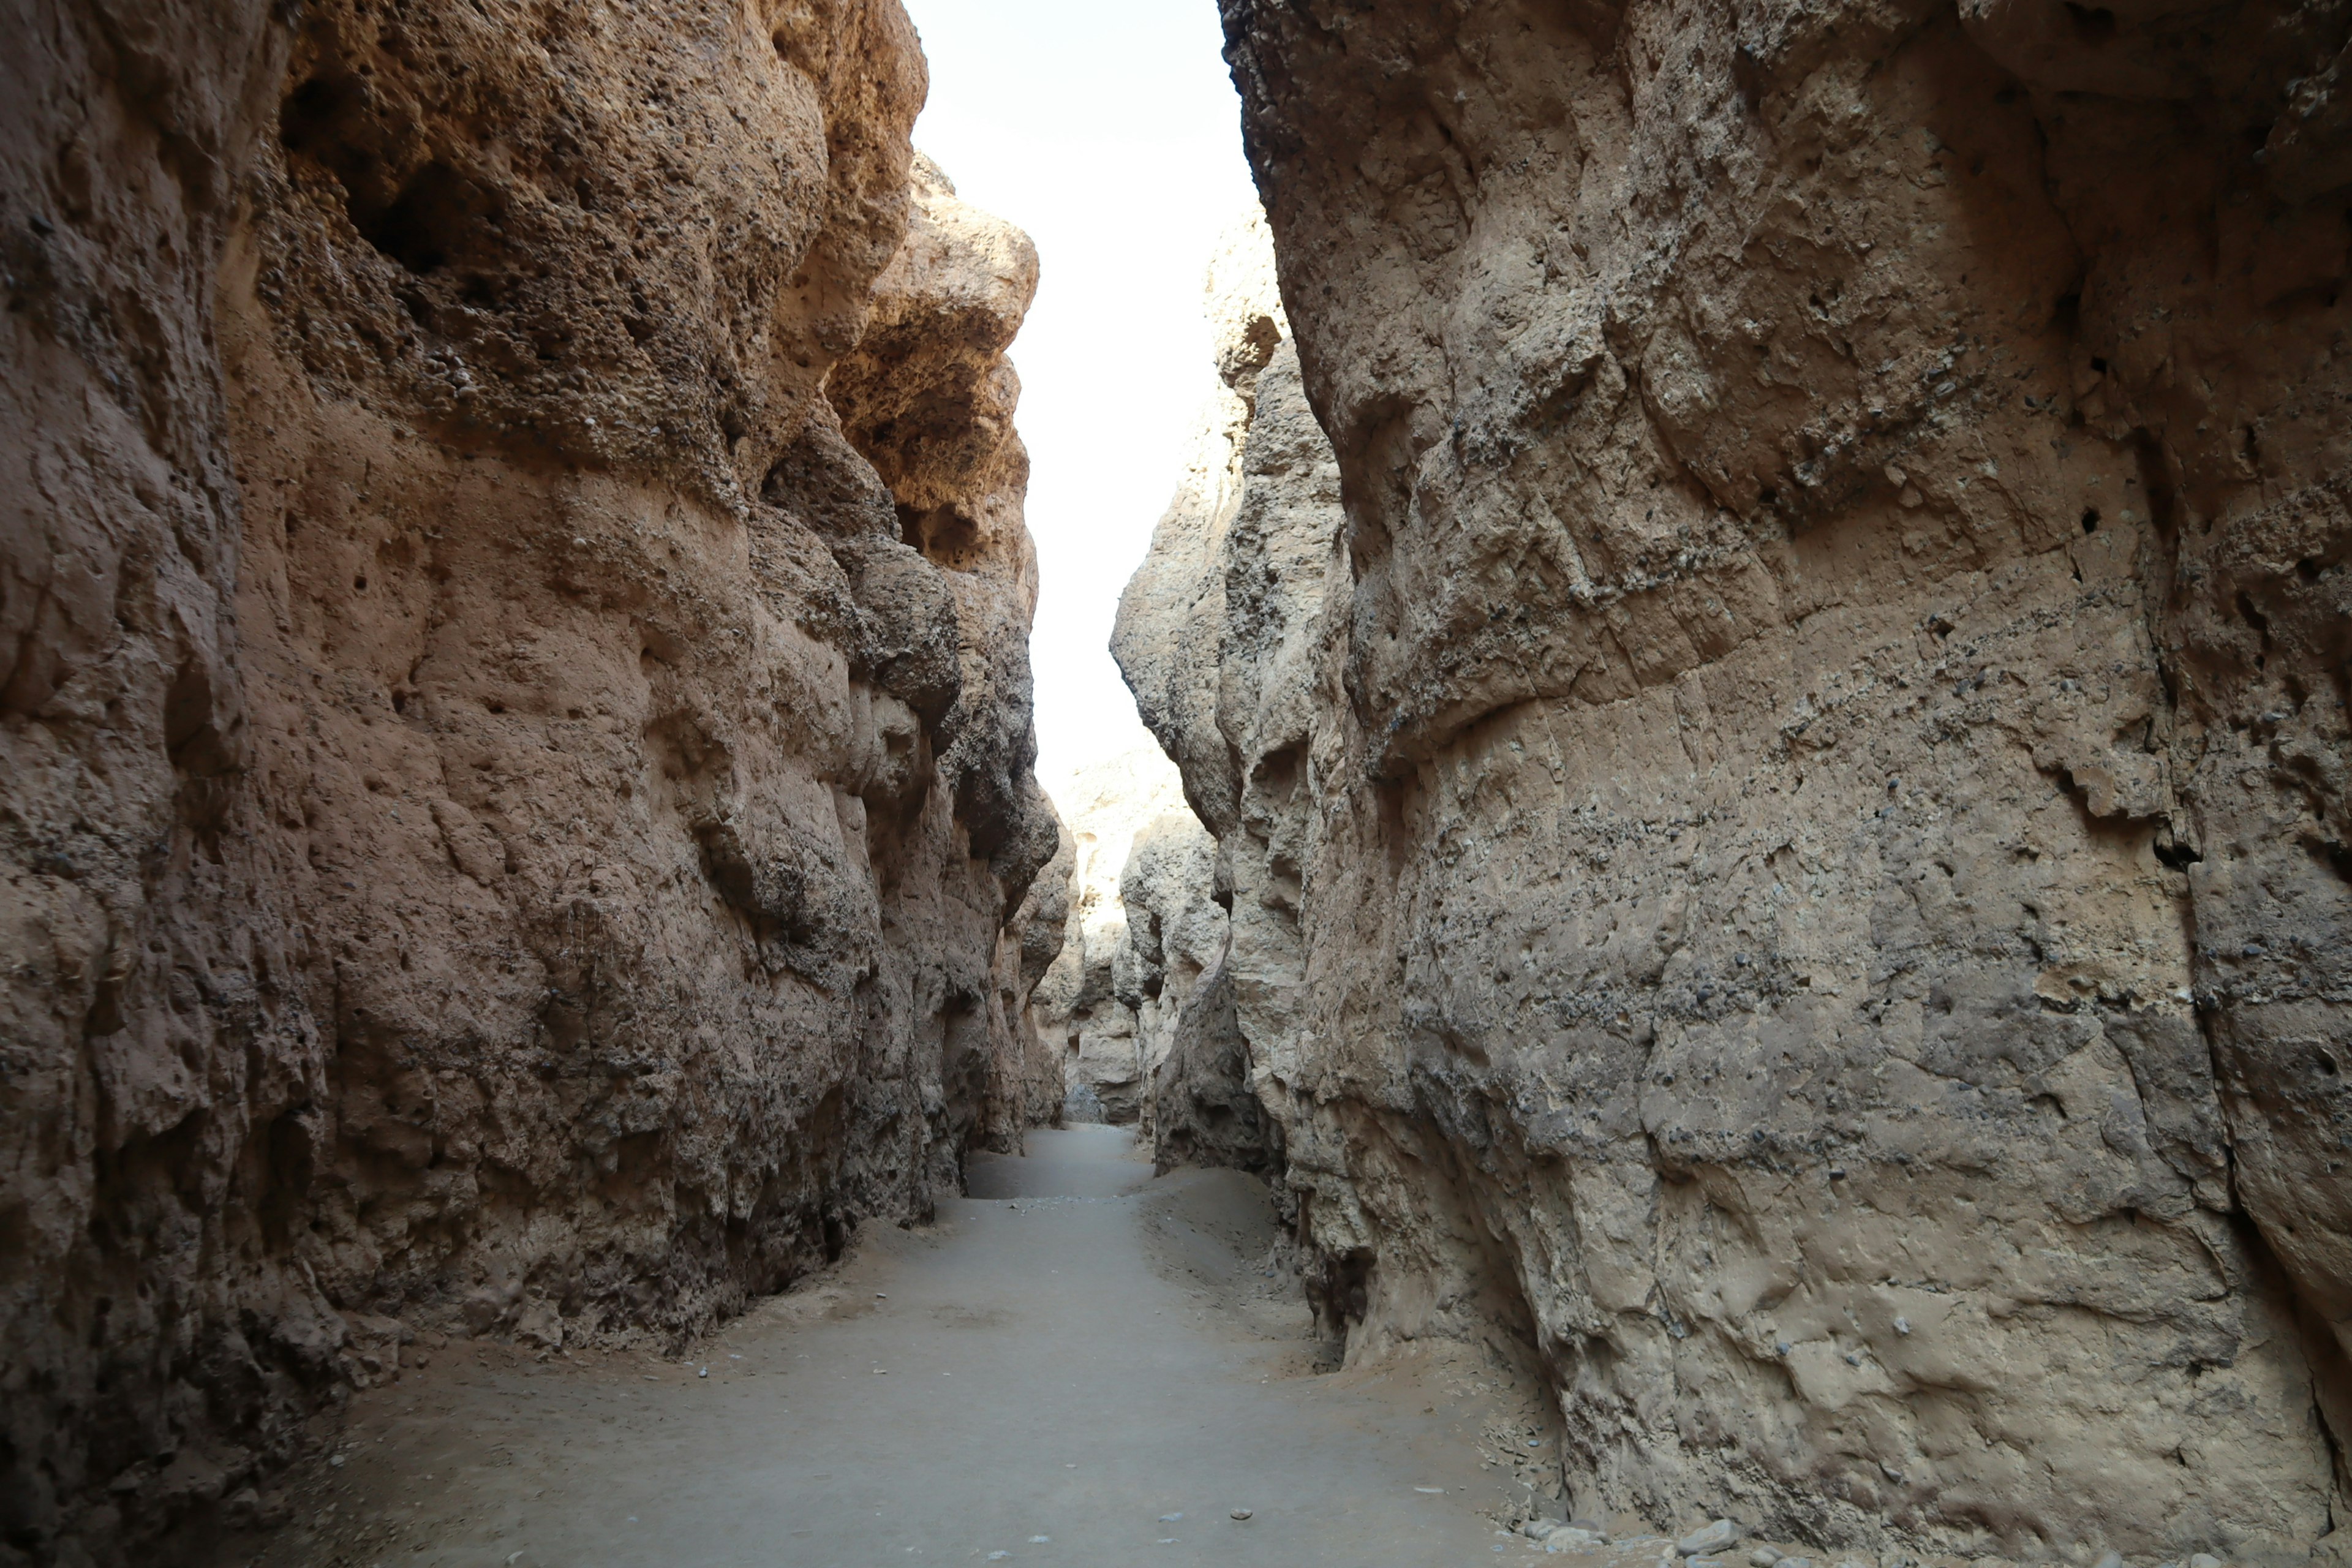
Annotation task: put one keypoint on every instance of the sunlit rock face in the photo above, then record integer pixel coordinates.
(1221, 634)
(1142, 927)
(1782, 775)
(515, 738)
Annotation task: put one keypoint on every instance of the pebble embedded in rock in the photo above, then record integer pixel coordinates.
(2111, 1560)
(1763, 1557)
(2204, 1560)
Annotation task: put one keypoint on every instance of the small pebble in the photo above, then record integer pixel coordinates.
(702, 1372)
(1170, 1518)
(998, 1556)
(1242, 1512)
(1763, 1557)
(1039, 1539)
(2204, 1560)
(2111, 1560)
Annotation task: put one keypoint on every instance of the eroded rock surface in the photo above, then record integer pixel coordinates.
(1782, 792)
(1141, 918)
(516, 754)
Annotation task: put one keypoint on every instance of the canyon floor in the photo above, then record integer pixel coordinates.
(1078, 1364)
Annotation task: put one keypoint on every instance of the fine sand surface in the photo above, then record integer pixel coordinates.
(1077, 1352)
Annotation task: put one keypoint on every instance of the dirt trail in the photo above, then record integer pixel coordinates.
(1078, 1364)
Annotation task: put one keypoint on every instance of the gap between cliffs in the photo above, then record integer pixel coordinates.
(1743, 875)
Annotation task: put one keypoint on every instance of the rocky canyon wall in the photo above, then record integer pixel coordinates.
(1141, 928)
(1781, 770)
(515, 788)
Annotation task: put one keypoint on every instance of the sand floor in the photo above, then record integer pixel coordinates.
(1078, 1364)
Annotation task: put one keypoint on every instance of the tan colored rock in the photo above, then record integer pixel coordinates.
(515, 733)
(1218, 634)
(1813, 785)
(1026, 1083)
(1145, 926)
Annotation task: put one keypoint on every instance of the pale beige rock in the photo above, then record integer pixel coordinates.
(1218, 634)
(1089, 1001)
(1809, 764)
(512, 823)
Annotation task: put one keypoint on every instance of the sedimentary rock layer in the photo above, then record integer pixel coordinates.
(515, 785)
(1791, 829)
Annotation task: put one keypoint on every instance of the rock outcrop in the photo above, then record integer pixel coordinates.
(515, 732)
(1783, 790)
(1221, 636)
(1141, 919)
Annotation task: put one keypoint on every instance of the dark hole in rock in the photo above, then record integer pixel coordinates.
(2094, 23)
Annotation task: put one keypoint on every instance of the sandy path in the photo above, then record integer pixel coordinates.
(1075, 1352)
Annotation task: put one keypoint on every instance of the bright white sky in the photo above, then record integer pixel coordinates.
(1108, 130)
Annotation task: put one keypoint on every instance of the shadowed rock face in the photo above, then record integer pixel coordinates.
(514, 711)
(1142, 928)
(1797, 837)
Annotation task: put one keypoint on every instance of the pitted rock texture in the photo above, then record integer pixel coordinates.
(1810, 768)
(1222, 634)
(1143, 927)
(518, 812)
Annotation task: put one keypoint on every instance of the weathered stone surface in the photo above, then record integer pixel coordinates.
(514, 739)
(1026, 1087)
(1138, 901)
(1809, 772)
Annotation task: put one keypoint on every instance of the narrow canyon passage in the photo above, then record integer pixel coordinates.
(1743, 820)
(1076, 1352)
